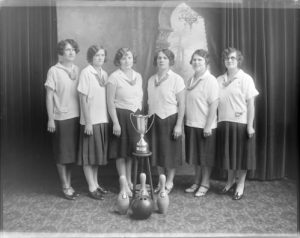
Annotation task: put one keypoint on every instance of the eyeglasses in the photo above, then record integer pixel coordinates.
(69, 49)
(232, 58)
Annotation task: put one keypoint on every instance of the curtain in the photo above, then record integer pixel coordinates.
(28, 37)
(268, 37)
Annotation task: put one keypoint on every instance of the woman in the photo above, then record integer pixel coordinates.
(201, 121)
(93, 143)
(124, 96)
(63, 112)
(166, 98)
(236, 152)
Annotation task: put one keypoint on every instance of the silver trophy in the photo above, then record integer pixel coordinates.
(142, 146)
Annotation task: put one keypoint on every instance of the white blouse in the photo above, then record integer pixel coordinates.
(162, 98)
(64, 83)
(95, 91)
(233, 97)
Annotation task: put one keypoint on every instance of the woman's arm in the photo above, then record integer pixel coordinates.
(211, 115)
(85, 105)
(250, 117)
(50, 109)
(180, 97)
(111, 93)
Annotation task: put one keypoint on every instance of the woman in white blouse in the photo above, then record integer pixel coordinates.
(235, 139)
(93, 144)
(124, 96)
(200, 122)
(166, 98)
(63, 112)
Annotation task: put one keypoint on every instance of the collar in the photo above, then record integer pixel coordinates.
(192, 82)
(99, 75)
(124, 77)
(72, 73)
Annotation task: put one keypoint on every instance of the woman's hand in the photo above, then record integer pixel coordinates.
(88, 129)
(51, 126)
(116, 129)
(207, 132)
(177, 132)
(250, 131)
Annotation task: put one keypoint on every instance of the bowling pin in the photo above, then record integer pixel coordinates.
(163, 197)
(123, 198)
(143, 191)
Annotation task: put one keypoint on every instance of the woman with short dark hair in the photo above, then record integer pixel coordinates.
(93, 144)
(235, 133)
(63, 112)
(166, 101)
(200, 122)
(124, 96)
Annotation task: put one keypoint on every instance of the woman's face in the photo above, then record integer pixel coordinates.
(126, 62)
(163, 61)
(231, 61)
(99, 57)
(69, 53)
(198, 63)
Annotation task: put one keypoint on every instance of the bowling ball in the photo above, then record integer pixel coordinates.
(142, 207)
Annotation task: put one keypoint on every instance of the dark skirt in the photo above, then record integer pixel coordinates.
(167, 152)
(122, 146)
(93, 148)
(200, 150)
(235, 150)
(65, 141)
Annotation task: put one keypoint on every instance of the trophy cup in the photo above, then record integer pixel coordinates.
(142, 146)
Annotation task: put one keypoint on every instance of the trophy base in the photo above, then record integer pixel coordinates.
(142, 150)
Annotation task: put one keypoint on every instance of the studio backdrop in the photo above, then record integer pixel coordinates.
(266, 33)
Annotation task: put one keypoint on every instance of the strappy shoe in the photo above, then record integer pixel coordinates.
(230, 189)
(102, 190)
(68, 194)
(192, 188)
(169, 189)
(202, 193)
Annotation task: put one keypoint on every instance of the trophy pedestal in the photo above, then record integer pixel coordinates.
(140, 157)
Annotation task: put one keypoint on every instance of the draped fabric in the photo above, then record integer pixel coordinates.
(28, 41)
(268, 38)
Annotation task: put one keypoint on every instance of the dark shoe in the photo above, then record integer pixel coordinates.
(237, 196)
(96, 195)
(231, 189)
(102, 190)
(67, 195)
(75, 194)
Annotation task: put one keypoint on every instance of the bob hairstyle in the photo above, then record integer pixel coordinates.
(239, 55)
(121, 53)
(92, 51)
(201, 53)
(168, 53)
(62, 45)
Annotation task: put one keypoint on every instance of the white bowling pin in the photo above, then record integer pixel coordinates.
(163, 197)
(123, 198)
(143, 191)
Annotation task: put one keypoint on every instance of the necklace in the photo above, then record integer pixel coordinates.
(158, 81)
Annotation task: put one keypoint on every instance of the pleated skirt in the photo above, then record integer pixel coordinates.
(65, 141)
(200, 150)
(93, 149)
(166, 150)
(122, 146)
(235, 150)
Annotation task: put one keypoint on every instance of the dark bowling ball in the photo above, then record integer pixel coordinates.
(142, 207)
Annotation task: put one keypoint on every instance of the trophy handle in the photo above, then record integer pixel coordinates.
(132, 122)
(151, 123)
